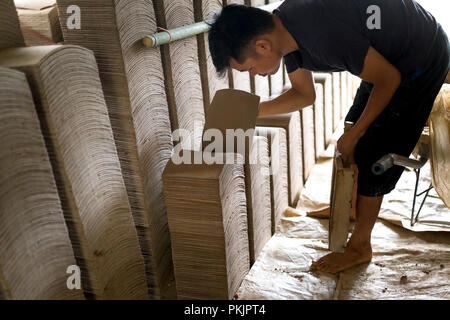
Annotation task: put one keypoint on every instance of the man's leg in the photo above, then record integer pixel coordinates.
(358, 249)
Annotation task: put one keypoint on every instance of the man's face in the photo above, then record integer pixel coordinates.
(263, 62)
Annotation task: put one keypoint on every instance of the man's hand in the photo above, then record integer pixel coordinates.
(346, 146)
(302, 94)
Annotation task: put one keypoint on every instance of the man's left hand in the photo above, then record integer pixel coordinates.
(346, 146)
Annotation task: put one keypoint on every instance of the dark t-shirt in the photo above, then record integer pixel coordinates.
(333, 35)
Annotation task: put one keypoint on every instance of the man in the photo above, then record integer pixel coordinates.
(396, 47)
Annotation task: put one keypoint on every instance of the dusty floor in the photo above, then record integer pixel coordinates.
(405, 265)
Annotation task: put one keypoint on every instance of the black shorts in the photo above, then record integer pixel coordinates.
(398, 128)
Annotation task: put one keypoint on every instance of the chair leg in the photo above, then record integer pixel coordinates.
(417, 171)
(423, 201)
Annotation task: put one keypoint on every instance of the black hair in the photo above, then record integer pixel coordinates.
(233, 31)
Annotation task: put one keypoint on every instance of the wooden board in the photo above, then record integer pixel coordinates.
(228, 103)
(343, 187)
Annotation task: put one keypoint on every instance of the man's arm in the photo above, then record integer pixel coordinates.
(386, 78)
(302, 94)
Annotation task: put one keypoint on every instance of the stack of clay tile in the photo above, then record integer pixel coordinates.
(212, 250)
(241, 80)
(182, 70)
(207, 214)
(207, 9)
(325, 79)
(279, 171)
(356, 83)
(10, 34)
(262, 87)
(68, 95)
(261, 84)
(276, 80)
(291, 122)
(221, 116)
(287, 82)
(35, 249)
(350, 95)
(134, 88)
(336, 78)
(350, 90)
(308, 140)
(259, 217)
(319, 121)
(179, 14)
(276, 83)
(344, 93)
(39, 21)
(186, 84)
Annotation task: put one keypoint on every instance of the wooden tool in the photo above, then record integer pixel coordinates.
(342, 201)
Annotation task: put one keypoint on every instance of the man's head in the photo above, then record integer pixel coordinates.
(240, 38)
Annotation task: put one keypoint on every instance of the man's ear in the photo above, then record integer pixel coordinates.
(263, 46)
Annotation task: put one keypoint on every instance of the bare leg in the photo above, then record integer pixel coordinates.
(320, 214)
(325, 214)
(359, 249)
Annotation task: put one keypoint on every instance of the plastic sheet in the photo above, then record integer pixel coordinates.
(440, 146)
(405, 264)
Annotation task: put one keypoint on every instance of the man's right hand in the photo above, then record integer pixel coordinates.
(300, 95)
